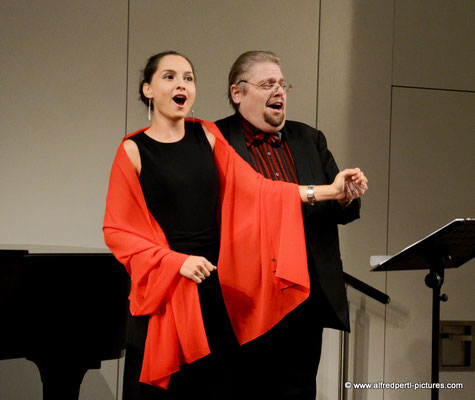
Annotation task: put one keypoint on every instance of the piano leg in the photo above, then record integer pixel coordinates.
(62, 378)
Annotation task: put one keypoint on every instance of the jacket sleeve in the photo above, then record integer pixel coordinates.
(340, 214)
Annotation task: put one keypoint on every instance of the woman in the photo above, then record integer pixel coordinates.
(178, 196)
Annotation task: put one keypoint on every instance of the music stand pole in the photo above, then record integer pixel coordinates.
(434, 280)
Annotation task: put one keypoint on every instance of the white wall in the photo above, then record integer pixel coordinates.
(353, 111)
(396, 97)
(62, 107)
(431, 174)
(213, 34)
(63, 95)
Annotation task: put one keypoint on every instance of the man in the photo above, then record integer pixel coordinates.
(283, 363)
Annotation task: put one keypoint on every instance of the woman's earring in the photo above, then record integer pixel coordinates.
(149, 109)
(193, 115)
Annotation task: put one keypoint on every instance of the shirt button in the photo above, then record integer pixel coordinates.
(276, 174)
(268, 153)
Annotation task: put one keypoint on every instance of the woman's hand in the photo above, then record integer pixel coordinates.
(360, 180)
(349, 184)
(355, 186)
(197, 268)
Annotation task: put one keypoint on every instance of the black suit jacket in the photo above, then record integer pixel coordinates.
(315, 165)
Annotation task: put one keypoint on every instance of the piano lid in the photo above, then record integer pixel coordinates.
(23, 249)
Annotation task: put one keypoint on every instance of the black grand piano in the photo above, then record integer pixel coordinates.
(63, 308)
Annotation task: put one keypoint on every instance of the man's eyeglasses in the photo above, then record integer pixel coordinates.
(269, 86)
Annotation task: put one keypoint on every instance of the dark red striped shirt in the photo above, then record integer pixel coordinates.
(274, 162)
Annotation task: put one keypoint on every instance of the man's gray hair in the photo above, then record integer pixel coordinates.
(243, 63)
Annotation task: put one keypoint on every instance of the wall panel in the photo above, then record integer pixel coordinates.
(354, 87)
(433, 44)
(63, 95)
(213, 34)
(431, 183)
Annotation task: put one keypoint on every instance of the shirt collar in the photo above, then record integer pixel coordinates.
(250, 131)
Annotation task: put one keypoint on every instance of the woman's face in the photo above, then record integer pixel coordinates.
(172, 88)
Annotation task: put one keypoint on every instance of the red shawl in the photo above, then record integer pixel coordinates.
(262, 261)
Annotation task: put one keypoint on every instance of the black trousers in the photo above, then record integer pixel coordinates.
(207, 378)
(280, 365)
(283, 363)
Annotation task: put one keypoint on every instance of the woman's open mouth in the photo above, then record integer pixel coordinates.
(179, 99)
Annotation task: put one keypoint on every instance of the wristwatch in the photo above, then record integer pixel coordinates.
(311, 195)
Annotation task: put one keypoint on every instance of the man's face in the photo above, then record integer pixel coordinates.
(263, 108)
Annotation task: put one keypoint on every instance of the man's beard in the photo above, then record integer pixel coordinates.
(274, 121)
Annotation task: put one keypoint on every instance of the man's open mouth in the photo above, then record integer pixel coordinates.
(179, 99)
(276, 106)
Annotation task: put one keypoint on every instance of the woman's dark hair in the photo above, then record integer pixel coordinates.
(152, 66)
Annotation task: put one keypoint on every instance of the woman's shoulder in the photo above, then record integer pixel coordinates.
(130, 146)
(132, 151)
(211, 138)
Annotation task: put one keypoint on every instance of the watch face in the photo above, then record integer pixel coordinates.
(311, 195)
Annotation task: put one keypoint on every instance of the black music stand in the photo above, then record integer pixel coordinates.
(449, 247)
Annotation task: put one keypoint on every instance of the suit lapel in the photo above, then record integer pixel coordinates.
(236, 138)
(299, 154)
(298, 148)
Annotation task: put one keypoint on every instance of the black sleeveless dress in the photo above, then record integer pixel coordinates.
(180, 184)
